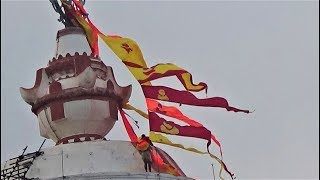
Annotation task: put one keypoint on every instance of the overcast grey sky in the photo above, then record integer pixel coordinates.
(258, 55)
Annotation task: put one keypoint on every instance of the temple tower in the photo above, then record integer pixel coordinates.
(76, 100)
(76, 97)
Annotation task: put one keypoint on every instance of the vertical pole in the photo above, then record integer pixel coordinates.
(42, 144)
(213, 172)
(62, 164)
(24, 150)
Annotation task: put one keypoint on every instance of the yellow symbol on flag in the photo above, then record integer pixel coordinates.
(162, 95)
(167, 128)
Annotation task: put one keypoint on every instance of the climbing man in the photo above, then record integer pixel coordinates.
(144, 146)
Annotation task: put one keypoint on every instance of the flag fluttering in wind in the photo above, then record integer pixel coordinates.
(160, 138)
(185, 97)
(130, 54)
(144, 75)
(170, 111)
(158, 124)
(174, 112)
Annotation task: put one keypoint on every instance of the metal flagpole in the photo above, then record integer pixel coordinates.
(213, 172)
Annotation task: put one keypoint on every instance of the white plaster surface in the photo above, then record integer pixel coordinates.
(87, 116)
(46, 129)
(123, 176)
(92, 160)
(72, 43)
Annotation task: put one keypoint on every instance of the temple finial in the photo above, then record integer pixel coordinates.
(63, 10)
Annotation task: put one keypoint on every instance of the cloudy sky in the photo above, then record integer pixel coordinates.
(261, 56)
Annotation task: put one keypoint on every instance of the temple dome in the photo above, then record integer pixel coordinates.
(95, 160)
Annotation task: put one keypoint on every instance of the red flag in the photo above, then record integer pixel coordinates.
(80, 6)
(184, 97)
(171, 111)
(159, 124)
(161, 166)
(132, 135)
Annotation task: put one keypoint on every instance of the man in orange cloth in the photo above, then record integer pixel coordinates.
(144, 146)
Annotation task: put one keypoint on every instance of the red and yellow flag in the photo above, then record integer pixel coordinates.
(170, 111)
(174, 112)
(223, 165)
(144, 75)
(159, 138)
(126, 49)
(130, 54)
(155, 72)
(184, 97)
(161, 166)
(158, 124)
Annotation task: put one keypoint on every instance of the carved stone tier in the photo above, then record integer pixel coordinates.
(71, 40)
(76, 94)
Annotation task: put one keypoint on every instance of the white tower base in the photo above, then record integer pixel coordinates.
(93, 160)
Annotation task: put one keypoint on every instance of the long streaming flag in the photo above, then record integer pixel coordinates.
(174, 112)
(223, 165)
(159, 138)
(185, 97)
(130, 54)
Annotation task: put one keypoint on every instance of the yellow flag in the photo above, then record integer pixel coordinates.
(126, 49)
(159, 138)
(130, 54)
(129, 107)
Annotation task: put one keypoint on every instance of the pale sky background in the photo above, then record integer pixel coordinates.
(261, 56)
